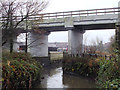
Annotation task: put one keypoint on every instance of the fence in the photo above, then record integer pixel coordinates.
(66, 55)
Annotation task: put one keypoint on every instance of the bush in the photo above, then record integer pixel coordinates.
(108, 74)
(17, 56)
(19, 70)
(115, 83)
(82, 66)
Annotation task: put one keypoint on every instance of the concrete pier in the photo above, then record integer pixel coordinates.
(15, 45)
(6, 46)
(38, 44)
(75, 41)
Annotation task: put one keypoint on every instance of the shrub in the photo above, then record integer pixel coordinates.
(108, 73)
(81, 65)
(19, 70)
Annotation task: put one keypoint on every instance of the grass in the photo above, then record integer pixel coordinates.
(56, 56)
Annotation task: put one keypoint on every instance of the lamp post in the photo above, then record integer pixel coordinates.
(26, 37)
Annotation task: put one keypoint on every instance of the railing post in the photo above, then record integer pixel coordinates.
(105, 11)
(96, 11)
(56, 15)
(87, 12)
(71, 13)
(114, 11)
(79, 13)
(49, 18)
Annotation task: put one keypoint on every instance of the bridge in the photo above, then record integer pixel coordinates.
(75, 22)
(85, 19)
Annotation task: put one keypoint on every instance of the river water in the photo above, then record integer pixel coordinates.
(54, 78)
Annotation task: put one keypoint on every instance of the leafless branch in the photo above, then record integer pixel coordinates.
(20, 10)
(35, 45)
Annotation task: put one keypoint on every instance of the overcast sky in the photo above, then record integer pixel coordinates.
(71, 5)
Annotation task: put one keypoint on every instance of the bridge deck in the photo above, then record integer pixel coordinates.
(82, 22)
(84, 19)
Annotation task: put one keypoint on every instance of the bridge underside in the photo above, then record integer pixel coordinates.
(83, 27)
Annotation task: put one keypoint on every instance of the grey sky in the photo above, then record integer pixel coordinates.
(71, 5)
(88, 36)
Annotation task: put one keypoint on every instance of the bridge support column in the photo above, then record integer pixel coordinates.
(38, 44)
(15, 45)
(75, 41)
(7, 45)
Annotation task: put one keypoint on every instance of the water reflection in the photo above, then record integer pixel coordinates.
(77, 82)
(54, 78)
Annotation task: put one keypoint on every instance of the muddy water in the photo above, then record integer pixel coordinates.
(54, 78)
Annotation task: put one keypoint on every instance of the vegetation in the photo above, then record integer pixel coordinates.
(109, 71)
(81, 65)
(19, 70)
(109, 74)
(105, 70)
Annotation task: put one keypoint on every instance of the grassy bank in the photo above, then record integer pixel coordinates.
(19, 70)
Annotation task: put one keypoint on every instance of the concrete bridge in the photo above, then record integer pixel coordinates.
(75, 22)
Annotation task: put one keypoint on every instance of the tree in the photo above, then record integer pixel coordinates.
(112, 45)
(85, 44)
(97, 44)
(15, 12)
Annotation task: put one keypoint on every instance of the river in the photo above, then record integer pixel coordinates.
(54, 78)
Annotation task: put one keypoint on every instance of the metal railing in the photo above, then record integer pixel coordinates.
(40, 17)
(78, 13)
